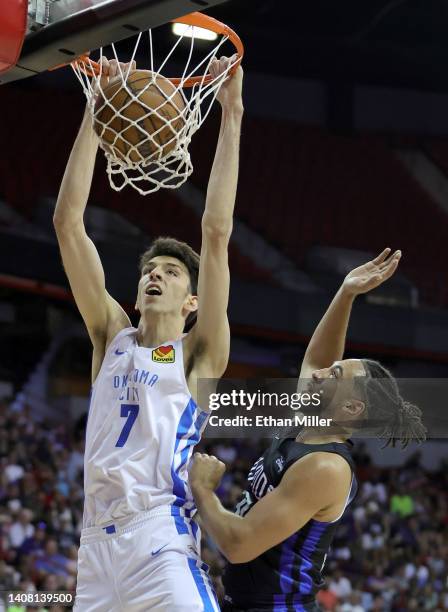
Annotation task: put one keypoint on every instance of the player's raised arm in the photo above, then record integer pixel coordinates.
(81, 261)
(211, 331)
(328, 341)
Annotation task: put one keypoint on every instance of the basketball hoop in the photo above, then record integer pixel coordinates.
(150, 159)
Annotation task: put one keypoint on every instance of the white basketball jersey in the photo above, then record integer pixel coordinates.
(141, 430)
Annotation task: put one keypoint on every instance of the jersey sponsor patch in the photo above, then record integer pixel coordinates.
(164, 354)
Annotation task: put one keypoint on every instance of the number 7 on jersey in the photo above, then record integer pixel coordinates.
(128, 412)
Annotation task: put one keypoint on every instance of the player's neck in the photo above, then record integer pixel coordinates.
(315, 435)
(160, 329)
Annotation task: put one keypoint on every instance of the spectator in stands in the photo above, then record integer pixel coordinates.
(21, 529)
(13, 470)
(353, 604)
(340, 585)
(76, 462)
(327, 599)
(53, 562)
(8, 578)
(374, 490)
(402, 503)
(35, 543)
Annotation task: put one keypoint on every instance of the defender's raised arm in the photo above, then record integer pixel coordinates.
(328, 341)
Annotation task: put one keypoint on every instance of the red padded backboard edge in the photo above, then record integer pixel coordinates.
(13, 22)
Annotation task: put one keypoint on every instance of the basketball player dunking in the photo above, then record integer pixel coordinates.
(139, 543)
(278, 539)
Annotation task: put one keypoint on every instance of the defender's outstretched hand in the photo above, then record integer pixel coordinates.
(372, 274)
(230, 93)
(205, 472)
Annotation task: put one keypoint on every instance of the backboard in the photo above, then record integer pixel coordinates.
(58, 31)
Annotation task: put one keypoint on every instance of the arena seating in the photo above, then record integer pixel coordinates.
(437, 150)
(299, 187)
(302, 187)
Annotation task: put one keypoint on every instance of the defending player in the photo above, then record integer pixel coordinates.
(139, 545)
(297, 491)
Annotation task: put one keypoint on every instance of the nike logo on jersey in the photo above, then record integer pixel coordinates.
(156, 552)
(118, 352)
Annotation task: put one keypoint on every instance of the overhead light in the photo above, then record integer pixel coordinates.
(180, 29)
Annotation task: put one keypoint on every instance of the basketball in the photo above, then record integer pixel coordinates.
(125, 124)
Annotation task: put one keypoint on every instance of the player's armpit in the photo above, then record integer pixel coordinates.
(311, 485)
(198, 520)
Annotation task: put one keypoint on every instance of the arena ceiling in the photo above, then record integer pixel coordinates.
(392, 43)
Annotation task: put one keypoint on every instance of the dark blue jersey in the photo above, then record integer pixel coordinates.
(286, 577)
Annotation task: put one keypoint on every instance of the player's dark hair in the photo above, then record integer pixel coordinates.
(170, 247)
(399, 420)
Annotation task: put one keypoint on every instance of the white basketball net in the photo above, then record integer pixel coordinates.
(147, 165)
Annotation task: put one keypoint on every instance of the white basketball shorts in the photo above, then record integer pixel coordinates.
(148, 562)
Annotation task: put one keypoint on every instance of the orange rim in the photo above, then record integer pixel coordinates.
(91, 68)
